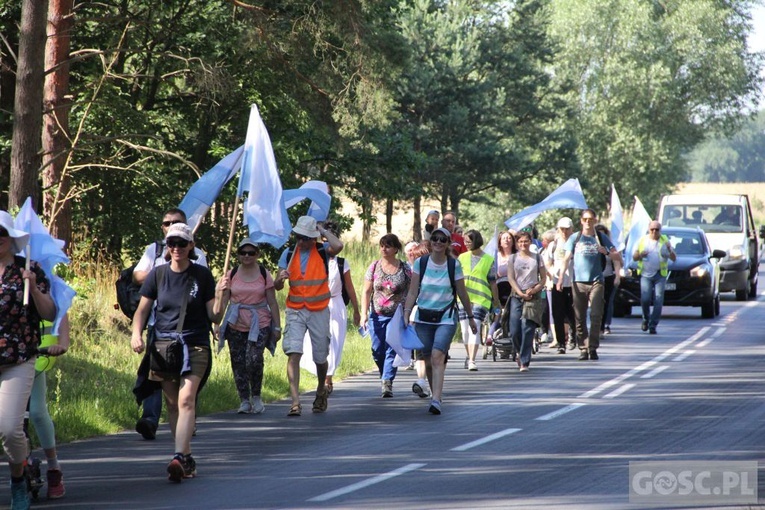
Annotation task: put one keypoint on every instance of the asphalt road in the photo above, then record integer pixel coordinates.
(559, 436)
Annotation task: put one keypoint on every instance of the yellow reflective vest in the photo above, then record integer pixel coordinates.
(477, 279)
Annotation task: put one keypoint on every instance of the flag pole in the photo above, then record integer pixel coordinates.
(231, 232)
(26, 280)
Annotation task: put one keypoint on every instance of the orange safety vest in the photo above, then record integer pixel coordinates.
(309, 290)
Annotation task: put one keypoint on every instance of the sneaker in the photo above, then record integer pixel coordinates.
(245, 407)
(524, 368)
(544, 338)
(189, 466)
(607, 330)
(410, 366)
(472, 366)
(418, 388)
(320, 402)
(257, 405)
(652, 331)
(571, 345)
(594, 355)
(561, 350)
(435, 407)
(584, 356)
(387, 389)
(467, 363)
(19, 496)
(175, 469)
(147, 428)
(553, 345)
(56, 488)
(644, 325)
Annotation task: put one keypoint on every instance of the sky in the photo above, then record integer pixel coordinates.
(757, 39)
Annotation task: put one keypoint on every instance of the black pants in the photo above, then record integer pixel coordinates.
(608, 293)
(562, 312)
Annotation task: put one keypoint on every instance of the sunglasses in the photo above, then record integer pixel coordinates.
(4, 233)
(177, 243)
(171, 222)
(655, 229)
(589, 218)
(439, 239)
(248, 253)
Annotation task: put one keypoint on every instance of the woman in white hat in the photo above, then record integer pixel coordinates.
(173, 286)
(20, 326)
(251, 323)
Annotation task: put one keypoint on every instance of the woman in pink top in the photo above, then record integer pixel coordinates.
(251, 323)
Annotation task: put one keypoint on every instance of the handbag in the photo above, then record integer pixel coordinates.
(534, 310)
(167, 353)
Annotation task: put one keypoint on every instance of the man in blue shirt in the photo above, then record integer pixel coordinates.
(589, 250)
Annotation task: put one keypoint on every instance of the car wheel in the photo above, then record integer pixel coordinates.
(708, 309)
(741, 294)
(717, 305)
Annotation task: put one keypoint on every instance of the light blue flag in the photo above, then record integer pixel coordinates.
(46, 251)
(317, 192)
(568, 196)
(638, 228)
(205, 191)
(264, 211)
(617, 220)
(491, 246)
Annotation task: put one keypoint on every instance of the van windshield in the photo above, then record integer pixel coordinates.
(710, 218)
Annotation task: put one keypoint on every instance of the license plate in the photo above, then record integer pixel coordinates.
(670, 286)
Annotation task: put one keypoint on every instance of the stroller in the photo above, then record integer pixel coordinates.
(499, 335)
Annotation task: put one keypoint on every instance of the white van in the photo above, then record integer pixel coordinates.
(728, 223)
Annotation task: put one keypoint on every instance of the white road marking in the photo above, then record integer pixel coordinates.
(366, 483)
(484, 440)
(619, 391)
(559, 412)
(655, 371)
(684, 355)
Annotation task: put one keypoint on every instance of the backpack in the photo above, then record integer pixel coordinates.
(129, 292)
(603, 261)
(236, 268)
(451, 266)
(341, 270)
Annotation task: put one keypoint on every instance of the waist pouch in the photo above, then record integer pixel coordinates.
(432, 316)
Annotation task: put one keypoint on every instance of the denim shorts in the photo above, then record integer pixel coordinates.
(435, 336)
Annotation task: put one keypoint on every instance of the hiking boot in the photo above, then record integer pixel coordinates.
(189, 466)
(175, 469)
(147, 428)
(19, 496)
(257, 405)
(387, 389)
(56, 488)
(320, 402)
(245, 407)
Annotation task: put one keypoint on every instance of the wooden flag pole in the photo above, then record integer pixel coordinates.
(26, 280)
(231, 233)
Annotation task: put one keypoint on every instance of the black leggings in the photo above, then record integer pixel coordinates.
(562, 312)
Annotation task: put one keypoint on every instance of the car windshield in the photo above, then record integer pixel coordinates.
(687, 243)
(709, 218)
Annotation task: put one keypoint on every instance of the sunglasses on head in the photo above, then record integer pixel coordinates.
(439, 239)
(171, 222)
(248, 253)
(4, 233)
(177, 243)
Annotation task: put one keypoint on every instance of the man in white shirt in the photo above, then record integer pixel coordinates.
(652, 252)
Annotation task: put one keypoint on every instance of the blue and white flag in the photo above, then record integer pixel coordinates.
(264, 211)
(491, 246)
(205, 191)
(617, 220)
(568, 196)
(638, 228)
(46, 251)
(317, 192)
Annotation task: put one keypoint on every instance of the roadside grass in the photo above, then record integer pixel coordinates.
(90, 388)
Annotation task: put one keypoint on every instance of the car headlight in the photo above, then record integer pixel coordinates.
(737, 252)
(699, 272)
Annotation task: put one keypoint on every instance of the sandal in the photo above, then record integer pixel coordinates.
(295, 410)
